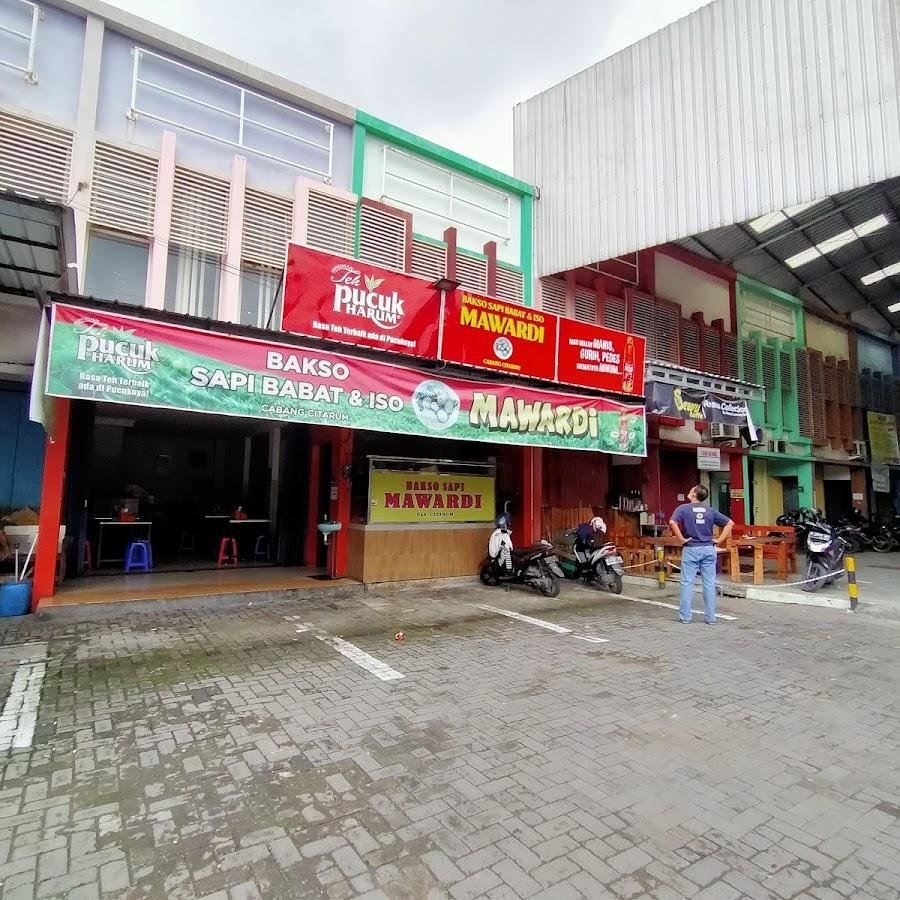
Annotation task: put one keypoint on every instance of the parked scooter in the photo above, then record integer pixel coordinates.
(824, 556)
(536, 566)
(598, 566)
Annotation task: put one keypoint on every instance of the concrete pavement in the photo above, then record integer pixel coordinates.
(508, 747)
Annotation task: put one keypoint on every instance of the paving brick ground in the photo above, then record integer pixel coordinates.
(231, 753)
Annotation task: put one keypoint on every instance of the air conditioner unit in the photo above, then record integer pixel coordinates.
(860, 450)
(776, 446)
(723, 431)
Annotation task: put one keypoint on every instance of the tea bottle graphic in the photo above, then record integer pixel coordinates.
(623, 431)
(628, 368)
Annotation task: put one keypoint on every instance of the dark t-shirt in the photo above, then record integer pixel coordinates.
(697, 520)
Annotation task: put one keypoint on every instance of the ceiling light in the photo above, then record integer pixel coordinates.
(837, 241)
(894, 307)
(881, 274)
(764, 223)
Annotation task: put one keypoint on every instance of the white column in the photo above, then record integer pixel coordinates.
(162, 223)
(230, 279)
(81, 171)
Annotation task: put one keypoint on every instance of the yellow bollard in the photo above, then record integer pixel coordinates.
(852, 586)
(661, 567)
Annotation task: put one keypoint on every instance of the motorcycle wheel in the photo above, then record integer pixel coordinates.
(853, 544)
(883, 544)
(548, 584)
(615, 586)
(487, 576)
(815, 577)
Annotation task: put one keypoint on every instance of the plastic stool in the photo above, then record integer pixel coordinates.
(138, 557)
(87, 560)
(261, 548)
(228, 552)
(188, 542)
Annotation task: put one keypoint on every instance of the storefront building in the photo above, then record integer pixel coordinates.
(178, 177)
(699, 409)
(654, 196)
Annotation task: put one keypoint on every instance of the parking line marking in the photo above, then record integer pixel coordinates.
(675, 607)
(590, 640)
(19, 717)
(364, 660)
(558, 629)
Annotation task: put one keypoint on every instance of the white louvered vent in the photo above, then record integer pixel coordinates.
(510, 285)
(330, 223)
(266, 228)
(199, 211)
(123, 189)
(34, 158)
(382, 238)
(428, 260)
(471, 273)
(614, 313)
(553, 296)
(585, 305)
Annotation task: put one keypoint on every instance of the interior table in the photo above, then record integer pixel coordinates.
(121, 529)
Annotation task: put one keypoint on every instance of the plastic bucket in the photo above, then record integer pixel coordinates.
(15, 598)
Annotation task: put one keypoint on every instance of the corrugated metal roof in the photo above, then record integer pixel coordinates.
(743, 107)
(832, 280)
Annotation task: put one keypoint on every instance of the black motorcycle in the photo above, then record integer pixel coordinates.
(536, 566)
(597, 566)
(825, 551)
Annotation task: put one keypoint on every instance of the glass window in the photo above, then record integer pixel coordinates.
(116, 269)
(260, 288)
(192, 282)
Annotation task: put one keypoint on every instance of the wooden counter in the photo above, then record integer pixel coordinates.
(405, 552)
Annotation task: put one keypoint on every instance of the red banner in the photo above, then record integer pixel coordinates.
(600, 358)
(353, 302)
(493, 334)
(107, 357)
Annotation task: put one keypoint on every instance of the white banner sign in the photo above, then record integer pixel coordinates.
(881, 479)
(709, 459)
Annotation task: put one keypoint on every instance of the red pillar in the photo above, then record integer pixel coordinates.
(738, 506)
(312, 516)
(341, 464)
(532, 495)
(54, 478)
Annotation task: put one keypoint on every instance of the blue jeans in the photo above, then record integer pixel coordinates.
(698, 558)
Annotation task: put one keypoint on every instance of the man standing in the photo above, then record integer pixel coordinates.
(693, 523)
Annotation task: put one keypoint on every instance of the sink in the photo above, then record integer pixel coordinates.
(328, 528)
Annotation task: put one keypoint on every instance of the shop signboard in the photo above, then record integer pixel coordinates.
(354, 302)
(430, 497)
(883, 438)
(881, 479)
(696, 405)
(97, 355)
(600, 358)
(493, 334)
(709, 459)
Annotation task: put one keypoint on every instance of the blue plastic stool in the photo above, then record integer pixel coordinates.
(139, 557)
(261, 548)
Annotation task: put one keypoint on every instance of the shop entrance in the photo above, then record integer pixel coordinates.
(204, 492)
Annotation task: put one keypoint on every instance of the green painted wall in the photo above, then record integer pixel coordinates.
(368, 124)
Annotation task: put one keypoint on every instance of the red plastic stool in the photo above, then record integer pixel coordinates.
(228, 552)
(87, 560)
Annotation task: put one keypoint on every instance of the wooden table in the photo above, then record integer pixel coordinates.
(757, 545)
(672, 547)
(117, 525)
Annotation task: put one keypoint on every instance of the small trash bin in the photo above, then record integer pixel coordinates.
(15, 598)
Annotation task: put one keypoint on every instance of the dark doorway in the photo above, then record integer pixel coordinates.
(790, 488)
(838, 499)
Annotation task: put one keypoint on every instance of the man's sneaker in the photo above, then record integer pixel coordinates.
(683, 621)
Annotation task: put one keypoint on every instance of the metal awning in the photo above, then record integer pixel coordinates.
(814, 252)
(34, 238)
